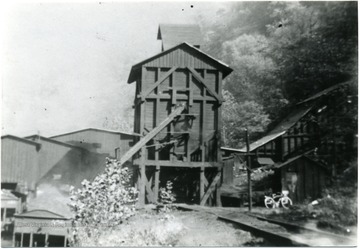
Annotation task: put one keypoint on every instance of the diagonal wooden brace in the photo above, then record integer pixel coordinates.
(210, 189)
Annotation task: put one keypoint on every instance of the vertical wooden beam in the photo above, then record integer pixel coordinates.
(4, 215)
(219, 136)
(65, 241)
(219, 119)
(142, 178)
(31, 239)
(22, 240)
(157, 182)
(13, 241)
(157, 152)
(202, 147)
(248, 170)
(202, 182)
(218, 192)
(46, 239)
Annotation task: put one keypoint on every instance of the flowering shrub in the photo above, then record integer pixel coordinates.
(104, 202)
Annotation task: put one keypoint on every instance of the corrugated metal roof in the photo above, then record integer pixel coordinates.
(326, 91)
(174, 34)
(135, 70)
(99, 130)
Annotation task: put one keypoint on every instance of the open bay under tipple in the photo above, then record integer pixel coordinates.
(182, 75)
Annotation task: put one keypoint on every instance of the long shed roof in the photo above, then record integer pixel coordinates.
(98, 130)
(135, 70)
(24, 140)
(279, 130)
(326, 91)
(174, 34)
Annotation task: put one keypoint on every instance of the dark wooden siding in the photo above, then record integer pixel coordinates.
(19, 162)
(310, 179)
(205, 125)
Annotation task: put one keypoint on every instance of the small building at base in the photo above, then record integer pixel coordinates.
(303, 177)
(41, 228)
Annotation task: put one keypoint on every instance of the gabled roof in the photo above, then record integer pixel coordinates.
(135, 70)
(326, 91)
(41, 214)
(98, 130)
(21, 140)
(305, 155)
(174, 34)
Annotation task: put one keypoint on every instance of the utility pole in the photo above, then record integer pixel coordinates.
(248, 162)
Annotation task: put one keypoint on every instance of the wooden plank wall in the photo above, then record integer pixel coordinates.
(310, 179)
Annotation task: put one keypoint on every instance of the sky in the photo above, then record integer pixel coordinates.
(65, 65)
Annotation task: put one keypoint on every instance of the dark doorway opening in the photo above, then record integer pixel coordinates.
(56, 241)
(39, 240)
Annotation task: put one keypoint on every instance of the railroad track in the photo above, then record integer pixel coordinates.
(278, 233)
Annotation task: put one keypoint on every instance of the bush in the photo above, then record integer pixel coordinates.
(103, 203)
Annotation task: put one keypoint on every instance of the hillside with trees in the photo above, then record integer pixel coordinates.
(281, 53)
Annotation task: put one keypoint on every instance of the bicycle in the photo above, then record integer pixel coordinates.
(286, 202)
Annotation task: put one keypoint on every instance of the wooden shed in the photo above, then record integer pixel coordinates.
(303, 177)
(178, 106)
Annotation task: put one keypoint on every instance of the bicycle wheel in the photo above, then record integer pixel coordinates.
(286, 202)
(269, 203)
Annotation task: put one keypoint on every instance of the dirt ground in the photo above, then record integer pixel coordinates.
(176, 228)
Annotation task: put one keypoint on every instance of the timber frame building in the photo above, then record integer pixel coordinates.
(178, 109)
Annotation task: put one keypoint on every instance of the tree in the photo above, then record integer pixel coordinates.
(314, 45)
(238, 116)
(254, 77)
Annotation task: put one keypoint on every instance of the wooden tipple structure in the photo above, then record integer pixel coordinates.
(178, 111)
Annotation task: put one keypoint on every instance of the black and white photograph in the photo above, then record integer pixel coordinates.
(179, 124)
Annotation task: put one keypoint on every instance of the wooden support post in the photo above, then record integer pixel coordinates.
(46, 240)
(218, 138)
(65, 241)
(157, 182)
(4, 216)
(249, 170)
(150, 195)
(218, 193)
(143, 149)
(202, 182)
(13, 241)
(22, 240)
(31, 239)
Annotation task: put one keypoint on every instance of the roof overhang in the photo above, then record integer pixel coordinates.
(136, 69)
